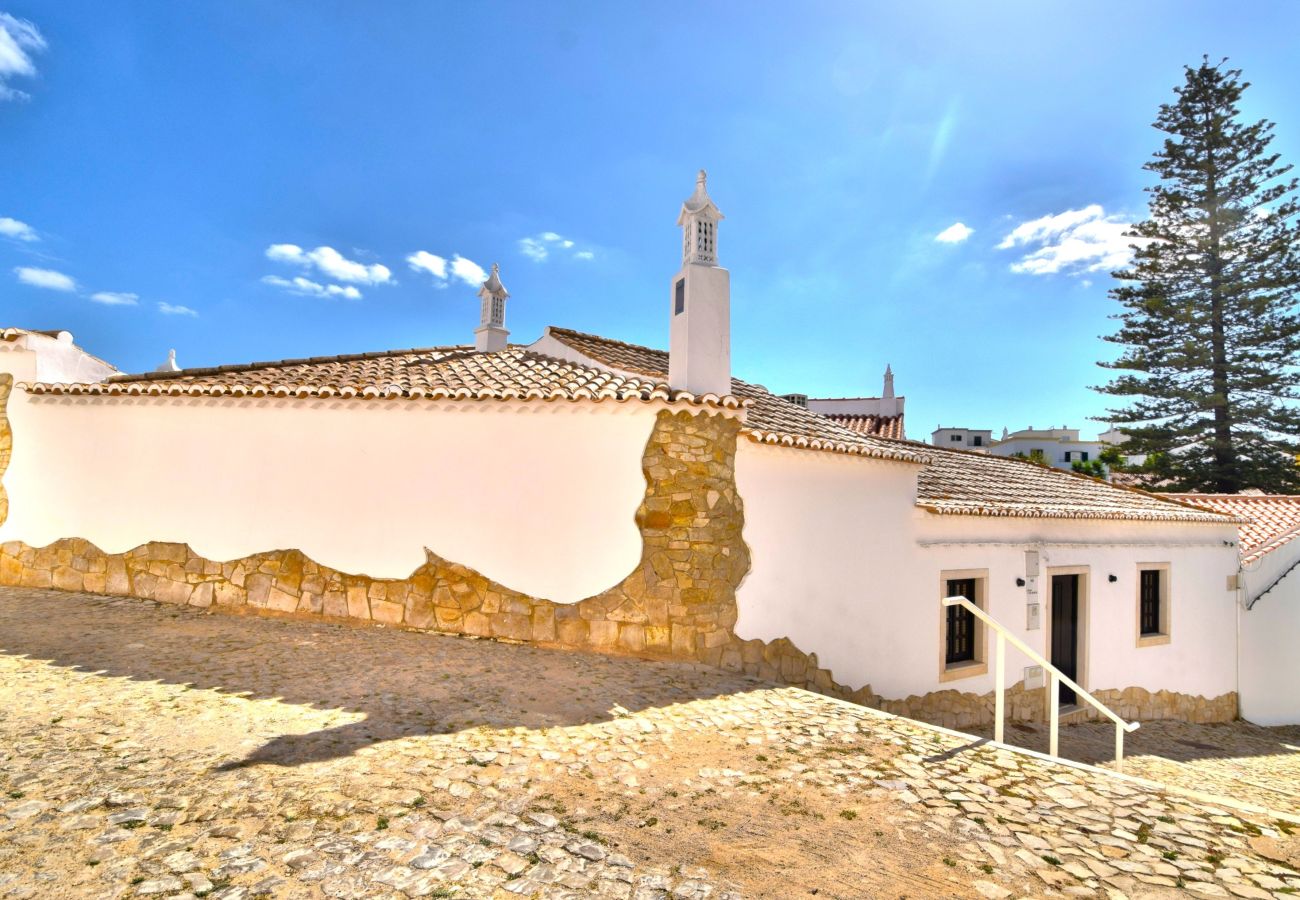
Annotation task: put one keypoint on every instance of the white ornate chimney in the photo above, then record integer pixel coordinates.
(170, 365)
(491, 334)
(699, 345)
(888, 393)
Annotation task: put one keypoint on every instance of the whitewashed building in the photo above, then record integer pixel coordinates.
(1058, 447)
(1269, 594)
(587, 493)
(977, 439)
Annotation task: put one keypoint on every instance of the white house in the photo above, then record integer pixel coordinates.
(1058, 447)
(978, 439)
(1269, 600)
(586, 493)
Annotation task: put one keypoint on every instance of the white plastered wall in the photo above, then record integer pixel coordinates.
(846, 566)
(538, 496)
(829, 544)
(1200, 657)
(1270, 676)
(31, 356)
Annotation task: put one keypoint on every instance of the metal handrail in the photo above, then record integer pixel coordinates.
(1056, 677)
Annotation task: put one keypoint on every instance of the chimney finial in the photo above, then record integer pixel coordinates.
(170, 365)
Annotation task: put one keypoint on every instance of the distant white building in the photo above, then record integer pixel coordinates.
(1058, 447)
(962, 438)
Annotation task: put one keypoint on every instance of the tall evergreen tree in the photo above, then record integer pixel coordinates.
(1211, 324)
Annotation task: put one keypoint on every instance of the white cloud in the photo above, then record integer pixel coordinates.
(435, 265)
(18, 38)
(467, 270)
(331, 263)
(308, 288)
(538, 247)
(115, 298)
(954, 234)
(533, 249)
(19, 231)
(1074, 242)
(45, 278)
(168, 309)
(444, 270)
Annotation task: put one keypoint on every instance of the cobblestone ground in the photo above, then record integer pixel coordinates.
(1259, 766)
(147, 750)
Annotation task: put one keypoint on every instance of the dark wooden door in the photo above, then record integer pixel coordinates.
(1065, 631)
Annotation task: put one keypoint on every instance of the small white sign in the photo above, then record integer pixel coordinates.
(1033, 677)
(1031, 563)
(1033, 621)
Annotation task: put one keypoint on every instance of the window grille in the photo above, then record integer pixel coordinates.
(1149, 599)
(960, 644)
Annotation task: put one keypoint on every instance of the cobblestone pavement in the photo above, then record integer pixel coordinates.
(1259, 766)
(147, 750)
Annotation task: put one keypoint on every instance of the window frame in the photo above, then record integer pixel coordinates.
(979, 665)
(1164, 635)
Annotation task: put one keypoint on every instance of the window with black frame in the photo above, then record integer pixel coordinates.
(1149, 613)
(960, 643)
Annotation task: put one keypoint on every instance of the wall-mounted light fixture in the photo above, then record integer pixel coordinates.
(1112, 578)
(1020, 582)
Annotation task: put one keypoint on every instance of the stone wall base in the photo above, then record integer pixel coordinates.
(954, 709)
(446, 597)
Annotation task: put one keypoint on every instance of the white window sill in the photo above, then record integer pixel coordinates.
(968, 669)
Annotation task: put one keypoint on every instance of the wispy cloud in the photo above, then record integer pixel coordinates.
(432, 263)
(19, 231)
(445, 271)
(308, 288)
(539, 247)
(19, 39)
(115, 298)
(954, 234)
(45, 278)
(168, 309)
(467, 271)
(1074, 242)
(331, 263)
(533, 249)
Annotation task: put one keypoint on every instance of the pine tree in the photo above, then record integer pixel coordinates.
(1211, 327)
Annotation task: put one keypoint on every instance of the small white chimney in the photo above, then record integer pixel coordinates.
(170, 365)
(491, 334)
(699, 358)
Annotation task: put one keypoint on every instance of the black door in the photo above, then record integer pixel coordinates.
(1065, 631)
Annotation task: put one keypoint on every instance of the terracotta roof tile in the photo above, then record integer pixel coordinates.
(954, 482)
(436, 372)
(769, 419)
(961, 482)
(880, 426)
(1269, 521)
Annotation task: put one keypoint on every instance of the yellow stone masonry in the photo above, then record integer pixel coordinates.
(679, 603)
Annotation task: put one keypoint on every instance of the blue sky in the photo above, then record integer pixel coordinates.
(153, 154)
